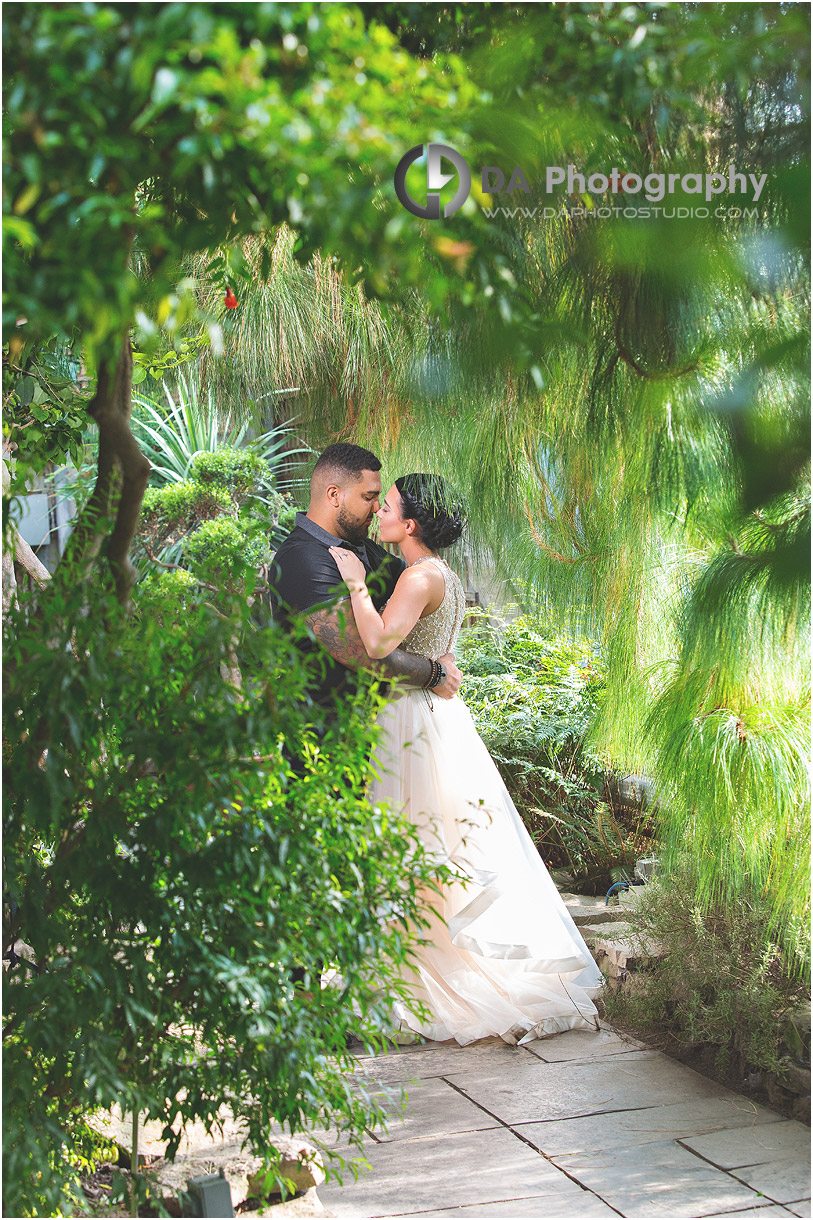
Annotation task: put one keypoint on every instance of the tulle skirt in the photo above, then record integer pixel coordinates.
(502, 955)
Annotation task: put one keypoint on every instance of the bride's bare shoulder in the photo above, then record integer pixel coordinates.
(422, 585)
(424, 575)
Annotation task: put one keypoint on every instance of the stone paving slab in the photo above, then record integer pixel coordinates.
(667, 1181)
(544, 1207)
(530, 1091)
(582, 1044)
(635, 1128)
(434, 1109)
(772, 1209)
(441, 1059)
(468, 1169)
(617, 1131)
(800, 1208)
(784, 1180)
(585, 909)
(781, 1140)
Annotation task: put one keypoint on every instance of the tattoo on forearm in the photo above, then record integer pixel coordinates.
(337, 632)
(412, 669)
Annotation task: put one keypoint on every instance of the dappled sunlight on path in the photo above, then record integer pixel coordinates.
(578, 1125)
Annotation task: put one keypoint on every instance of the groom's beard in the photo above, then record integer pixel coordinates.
(351, 529)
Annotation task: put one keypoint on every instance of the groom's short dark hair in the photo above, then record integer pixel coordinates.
(346, 459)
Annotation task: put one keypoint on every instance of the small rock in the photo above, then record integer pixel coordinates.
(628, 953)
(646, 867)
(561, 878)
(797, 1079)
(796, 1032)
(777, 1096)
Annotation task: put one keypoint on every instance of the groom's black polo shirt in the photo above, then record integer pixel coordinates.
(304, 574)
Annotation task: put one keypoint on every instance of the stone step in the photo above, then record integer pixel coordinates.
(618, 948)
(588, 910)
(608, 933)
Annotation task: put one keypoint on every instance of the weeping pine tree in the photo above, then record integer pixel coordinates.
(626, 414)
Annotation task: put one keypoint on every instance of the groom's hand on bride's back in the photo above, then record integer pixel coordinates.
(449, 688)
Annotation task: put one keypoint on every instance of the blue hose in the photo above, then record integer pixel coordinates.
(618, 885)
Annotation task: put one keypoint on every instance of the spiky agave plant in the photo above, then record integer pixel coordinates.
(175, 436)
(172, 436)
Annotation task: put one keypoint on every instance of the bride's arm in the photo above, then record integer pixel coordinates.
(381, 633)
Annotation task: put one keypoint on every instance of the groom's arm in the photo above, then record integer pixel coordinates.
(335, 629)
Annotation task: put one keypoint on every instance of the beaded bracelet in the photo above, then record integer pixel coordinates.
(437, 672)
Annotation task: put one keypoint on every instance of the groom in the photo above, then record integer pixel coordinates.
(344, 497)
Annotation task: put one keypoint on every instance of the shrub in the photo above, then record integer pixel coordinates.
(177, 856)
(220, 552)
(181, 505)
(222, 521)
(534, 696)
(239, 470)
(723, 984)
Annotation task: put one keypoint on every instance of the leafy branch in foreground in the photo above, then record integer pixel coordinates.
(180, 895)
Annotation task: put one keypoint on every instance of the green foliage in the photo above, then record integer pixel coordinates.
(172, 436)
(723, 983)
(155, 365)
(742, 774)
(182, 502)
(177, 857)
(179, 128)
(165, 598)
(220, 553)
(55, 1186)
(44, 409)
(534, 696)
(236, 469)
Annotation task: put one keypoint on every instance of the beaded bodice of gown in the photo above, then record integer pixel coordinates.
(435, 635)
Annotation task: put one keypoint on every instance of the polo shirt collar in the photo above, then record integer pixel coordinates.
(325, 537)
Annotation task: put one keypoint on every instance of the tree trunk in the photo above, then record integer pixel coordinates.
(122, 474)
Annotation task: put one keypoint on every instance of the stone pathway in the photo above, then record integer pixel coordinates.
(580, 1125)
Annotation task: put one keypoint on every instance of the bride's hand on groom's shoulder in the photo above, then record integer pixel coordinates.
(351, 569)
(449, 688)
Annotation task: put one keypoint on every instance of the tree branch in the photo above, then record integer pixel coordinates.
(122, 474)
(631, 362)
(24, 555)
(111, 411)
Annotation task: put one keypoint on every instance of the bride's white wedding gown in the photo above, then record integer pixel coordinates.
(502, 956)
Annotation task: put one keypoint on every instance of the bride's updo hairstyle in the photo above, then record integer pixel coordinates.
(425, 499)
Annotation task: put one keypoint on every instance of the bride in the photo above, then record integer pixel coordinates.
(502, 955)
